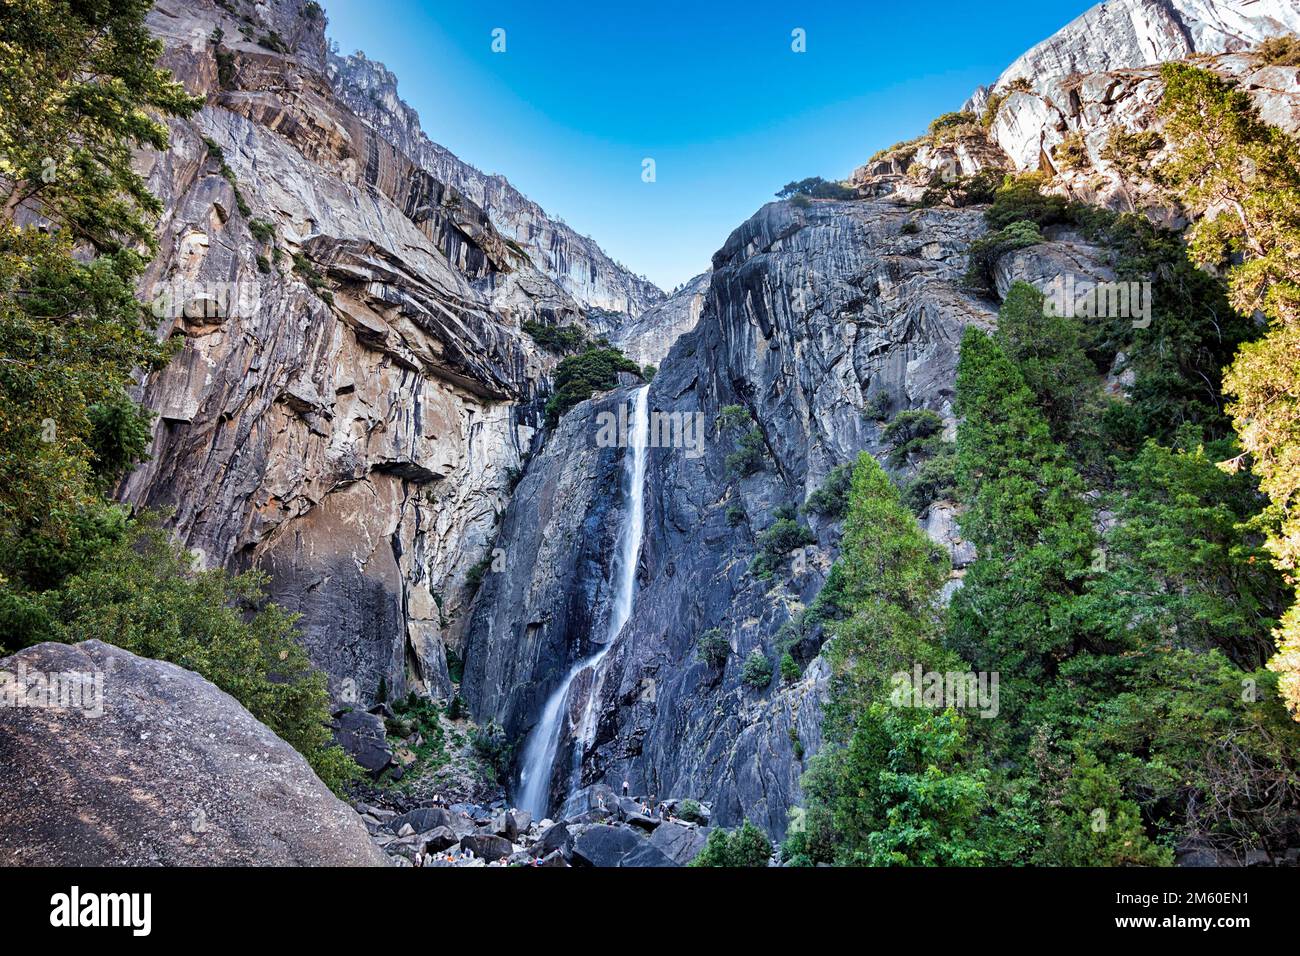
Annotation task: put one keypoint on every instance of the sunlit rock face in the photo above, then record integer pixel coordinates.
(576, 263)
(353, 392)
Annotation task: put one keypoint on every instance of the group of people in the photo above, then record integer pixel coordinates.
(648, 806)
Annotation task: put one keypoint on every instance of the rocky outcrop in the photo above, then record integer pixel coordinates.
(158, 767)
(648, 338)
(354, 394)
(1123, 34)
(575, 262)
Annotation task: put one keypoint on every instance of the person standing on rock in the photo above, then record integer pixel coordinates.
(625, 788)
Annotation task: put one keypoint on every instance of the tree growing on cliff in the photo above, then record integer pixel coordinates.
(1244, 175)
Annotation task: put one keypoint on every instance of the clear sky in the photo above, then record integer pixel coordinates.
(713, 92)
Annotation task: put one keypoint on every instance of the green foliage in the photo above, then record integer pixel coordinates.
(898, 793)
(578, 376)
(1071, 153)
(756, 673)
(1244, 175)
(790, 670)
(1028, 520)
(888, 578)
(1280, 51)
(945, 127)
(976, 189)
(560, 339)
(143, 591)
(1021, 199)
(987, 250)
(1182, 568)
(777, 541)
(749, 456)
(1048, 350)
(713, 648)
(877, 407)
(816, 188)
(1092, 824)
(732, 417)
(493, 749)
(474, 576)
(832, 498)
(744, 846)
(690, 812)
(934, 480)
(736, 515)
(912, 432)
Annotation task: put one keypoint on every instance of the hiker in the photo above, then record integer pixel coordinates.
(625, 788)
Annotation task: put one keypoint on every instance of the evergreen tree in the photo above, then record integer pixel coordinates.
(1028, 520)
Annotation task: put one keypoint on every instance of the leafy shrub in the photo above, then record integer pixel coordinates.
(735, 515)
(913, 431)
(690, 812)
(877, 407)
(1280, 51)
(746, 846)
(143, 591)
(749, 455)
(783, 536)
(987, 250)
(935, 480)
(576, 377)
(493, 749)
(261, 230)
(560, 339)
(1071, 153)
(756, 673)
(816, 188)
(832, 498)
(1020, 198)
(790, 670)
(732, 416)
(713, 648)
(910, 228)
(962, 191)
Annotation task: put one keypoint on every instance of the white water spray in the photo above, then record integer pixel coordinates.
(544, 742)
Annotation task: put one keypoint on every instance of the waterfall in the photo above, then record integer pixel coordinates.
(544, 742)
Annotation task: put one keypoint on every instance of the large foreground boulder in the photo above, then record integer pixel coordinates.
(170, 771)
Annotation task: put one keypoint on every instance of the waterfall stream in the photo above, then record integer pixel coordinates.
(544, 742)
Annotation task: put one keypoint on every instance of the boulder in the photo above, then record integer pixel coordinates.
(421, 820)
(647, 855)
(172, 772)
(601, 845)
(440, 838)
(486, 846)
(555, 837)
(678, 842)
(362, 735)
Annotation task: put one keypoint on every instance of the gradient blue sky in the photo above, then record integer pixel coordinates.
(711, 91)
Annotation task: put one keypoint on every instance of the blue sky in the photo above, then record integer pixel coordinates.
(711, 91)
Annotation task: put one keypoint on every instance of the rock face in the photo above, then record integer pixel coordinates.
(1122, 34)
(575, 262)
(647, 338)
(354, 392)
(809, 315)
(173, 772)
